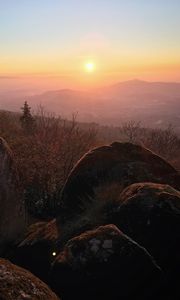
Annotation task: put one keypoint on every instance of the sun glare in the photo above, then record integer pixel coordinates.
(90, 67)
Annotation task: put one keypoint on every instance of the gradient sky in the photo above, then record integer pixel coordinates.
(125, 39)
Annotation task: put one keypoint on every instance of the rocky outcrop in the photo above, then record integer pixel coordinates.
(105, 264)
(84, 257)
(116, 166)
(113, 167)
(150, 214)
(17, 283)
(12, 219)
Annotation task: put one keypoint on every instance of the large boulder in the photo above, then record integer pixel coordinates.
(105, 264)
(150, 214)
(18, 284)
(12, 219)
(111, 168)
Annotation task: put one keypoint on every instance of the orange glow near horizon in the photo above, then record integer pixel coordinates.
(65, 72)
(72, 66)
(54, 82)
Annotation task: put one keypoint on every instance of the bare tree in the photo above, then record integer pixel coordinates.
(131, 130)
(164, 142)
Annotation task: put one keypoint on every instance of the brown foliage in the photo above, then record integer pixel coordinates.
(163, 142)
(45, 158)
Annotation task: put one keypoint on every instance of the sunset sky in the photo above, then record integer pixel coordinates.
(54, 40)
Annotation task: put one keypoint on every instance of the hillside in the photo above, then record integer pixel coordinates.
(154, 103)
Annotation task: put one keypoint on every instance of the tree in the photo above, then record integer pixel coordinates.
(131, 131)
(46, 158)
(27, 120)
(164, 142)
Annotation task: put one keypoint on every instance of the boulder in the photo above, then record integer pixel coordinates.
(38, 249)
(111, 169)
(105, 264)
(12, 220)
(42, 242)
(17, 283)
(150, 214)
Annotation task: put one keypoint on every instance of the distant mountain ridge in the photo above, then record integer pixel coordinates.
(152, 102)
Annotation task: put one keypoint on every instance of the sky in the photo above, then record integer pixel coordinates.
(52, 40)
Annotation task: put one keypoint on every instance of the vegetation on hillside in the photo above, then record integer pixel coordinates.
(47, 147)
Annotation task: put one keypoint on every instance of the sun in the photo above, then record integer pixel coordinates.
(90, 67)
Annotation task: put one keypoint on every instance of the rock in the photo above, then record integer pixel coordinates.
(105, 264)
(150, 214)
(112, 168)
(38, 249)
(18, 284)
(42, 242)
(12, 221)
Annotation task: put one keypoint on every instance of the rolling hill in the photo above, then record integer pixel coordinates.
(154, 103)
